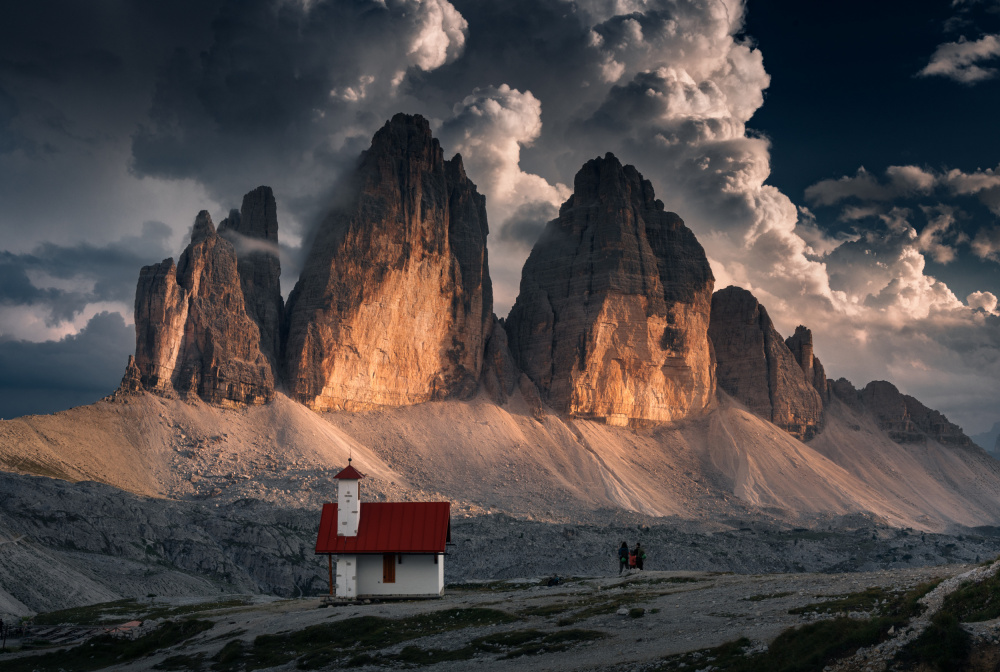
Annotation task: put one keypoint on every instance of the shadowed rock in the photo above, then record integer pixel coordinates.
(193, 335)
(612, 316)
(500, 373)
(801, 345)
(905, 419)
(394, 302)
(253, 231)
(756, 367)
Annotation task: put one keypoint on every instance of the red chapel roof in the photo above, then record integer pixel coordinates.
(350, 472)
(389, 527)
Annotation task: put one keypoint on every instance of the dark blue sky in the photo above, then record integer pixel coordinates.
(845, 93)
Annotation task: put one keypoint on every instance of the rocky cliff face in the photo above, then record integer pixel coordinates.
(253, 231)
(756, 367)
(901, 416)
(801, 345)
(193, 334)
(500, 374)
(395, 302)
(612, 316)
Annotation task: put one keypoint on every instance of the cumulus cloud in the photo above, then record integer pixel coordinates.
(985, 301)
(863, 186)
(960, 60)
(933, 236)
(489, 128)
(905, 182)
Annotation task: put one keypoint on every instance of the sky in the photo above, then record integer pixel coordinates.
(839, 160)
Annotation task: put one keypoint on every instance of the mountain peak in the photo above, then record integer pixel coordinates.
(611, 320)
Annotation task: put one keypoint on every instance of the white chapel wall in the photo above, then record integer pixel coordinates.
(416, 575)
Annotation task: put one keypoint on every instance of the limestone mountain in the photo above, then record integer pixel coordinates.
(394, 304)
(612, 316)
(901, 416)
(756, 367)
(253, 230)
(193, 333)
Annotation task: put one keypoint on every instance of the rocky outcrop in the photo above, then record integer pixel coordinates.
(845, 391)
(901, 416)
(193, 334)
(394, 303)
(253, 231)
(756, 367)
(612, 316)
(500, 373)
(801, 345)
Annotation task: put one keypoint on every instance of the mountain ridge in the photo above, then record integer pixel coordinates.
(602, 379)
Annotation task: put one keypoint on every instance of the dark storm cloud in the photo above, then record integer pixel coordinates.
(63, 280)
(288, 93)
(53, 375)
(527, 223)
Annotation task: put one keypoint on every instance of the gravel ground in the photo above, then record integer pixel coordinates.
(684, 611)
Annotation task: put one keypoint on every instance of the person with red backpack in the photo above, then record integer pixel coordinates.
(639, 554)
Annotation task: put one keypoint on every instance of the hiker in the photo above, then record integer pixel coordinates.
(622, 557)
(640, 555)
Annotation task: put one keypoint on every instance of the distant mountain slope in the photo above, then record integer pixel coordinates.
(482, 456)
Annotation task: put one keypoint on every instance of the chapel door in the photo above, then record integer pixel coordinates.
(388, 568)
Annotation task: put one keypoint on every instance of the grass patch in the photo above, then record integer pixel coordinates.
(944, 645)
(514, 644)
(349, 642)
(973, 602)
(494, 586)
(547, 610)
(188, 663)
(101, 614)
(636, 612)
(104, 651)
(764, 596)
(901, 603)
(599, 607)
(811, 647)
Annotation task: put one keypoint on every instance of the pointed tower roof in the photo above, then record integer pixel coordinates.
(350, 472)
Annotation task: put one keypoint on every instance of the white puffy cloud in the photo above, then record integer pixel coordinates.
(488, 128)
(985, 301)
(960, 60)
(440, 31)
